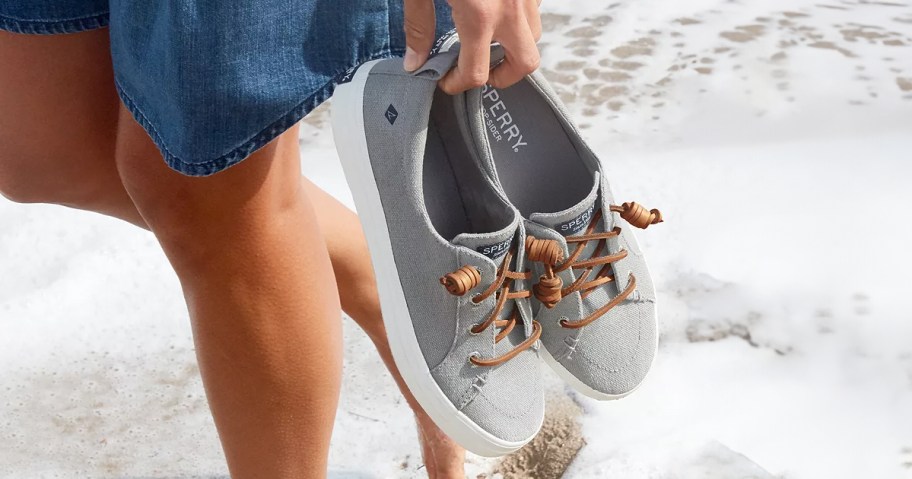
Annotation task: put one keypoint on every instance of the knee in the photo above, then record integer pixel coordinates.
(181, 209)
(20, 188)
(24, 180)
(20, 183)
(198, 220)
(189, 231)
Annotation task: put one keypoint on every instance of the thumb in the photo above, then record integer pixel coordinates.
(420, 28)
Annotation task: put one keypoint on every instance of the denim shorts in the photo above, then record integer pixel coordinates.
(212, 81)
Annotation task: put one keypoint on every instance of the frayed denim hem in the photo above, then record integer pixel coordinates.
(235, 156)
(54, 27)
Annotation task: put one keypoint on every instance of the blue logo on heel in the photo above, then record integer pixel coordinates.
(391, 114)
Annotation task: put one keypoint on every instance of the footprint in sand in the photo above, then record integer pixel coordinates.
(688, 21)
(639, 47)
(553, 449)
(832, 46)
(559, 78)
(744, 33)
(620, 79)
(552, 21)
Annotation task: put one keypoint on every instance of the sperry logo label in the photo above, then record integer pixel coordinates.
(441, 41)
(391, 114)
(347, 76)
(574, 226)
(499, 121)
(495, 251)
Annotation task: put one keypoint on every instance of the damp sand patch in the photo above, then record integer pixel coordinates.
(904, 83)
(744, 33)
(551, 452)
(553, 21)
(832, 46)
(639, 47)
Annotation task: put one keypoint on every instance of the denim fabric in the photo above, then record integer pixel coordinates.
(213, 81)
(52, 16)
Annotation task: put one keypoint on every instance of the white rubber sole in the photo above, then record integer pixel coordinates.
(351, 143)
(584, 388)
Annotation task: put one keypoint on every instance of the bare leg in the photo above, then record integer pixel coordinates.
(358, 292)
(50, 157)
(245, 243)
(262, 297)
(58, 121)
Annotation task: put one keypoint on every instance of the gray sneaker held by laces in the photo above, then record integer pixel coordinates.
(448, 253)
(593, 294)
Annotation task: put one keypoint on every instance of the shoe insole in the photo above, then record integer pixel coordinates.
(457, 196)
(537, 164)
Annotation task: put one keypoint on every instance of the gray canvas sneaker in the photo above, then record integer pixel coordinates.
(448, 253)
(593, 294)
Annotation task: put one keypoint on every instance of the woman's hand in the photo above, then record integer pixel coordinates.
(514, 23)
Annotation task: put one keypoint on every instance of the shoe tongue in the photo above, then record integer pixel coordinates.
(575, 219)
(493, 245)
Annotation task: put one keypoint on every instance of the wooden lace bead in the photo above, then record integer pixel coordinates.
(548, 290)
(544, 250)
(639, 216)
(462, 280)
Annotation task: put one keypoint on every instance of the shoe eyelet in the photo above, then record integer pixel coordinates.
(474, 354)
(475, 303)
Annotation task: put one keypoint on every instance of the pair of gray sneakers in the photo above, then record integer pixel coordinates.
(494, 239)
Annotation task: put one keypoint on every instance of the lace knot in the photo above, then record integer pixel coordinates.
(544, 250)
(548, 290)
(462, 280)
(637, 215)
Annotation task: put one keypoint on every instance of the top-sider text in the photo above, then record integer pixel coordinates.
(499, 121)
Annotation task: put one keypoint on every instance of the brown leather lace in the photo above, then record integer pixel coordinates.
(549, 289)
(462, 280)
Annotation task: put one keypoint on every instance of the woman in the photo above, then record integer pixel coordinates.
(265, 258)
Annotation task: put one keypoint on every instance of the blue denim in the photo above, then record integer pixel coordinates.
(212, 81)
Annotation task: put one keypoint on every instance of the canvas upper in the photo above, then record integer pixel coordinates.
(534, 153)
(444, 214)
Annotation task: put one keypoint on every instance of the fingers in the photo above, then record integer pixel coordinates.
(522, 57)
(420, 26)
(533, 18)
(515, 24)
(473, 66)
